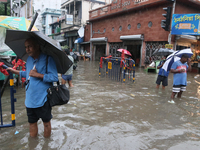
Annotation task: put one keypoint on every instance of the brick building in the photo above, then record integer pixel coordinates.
(134, 25)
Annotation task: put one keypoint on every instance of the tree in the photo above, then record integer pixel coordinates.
(5, 8)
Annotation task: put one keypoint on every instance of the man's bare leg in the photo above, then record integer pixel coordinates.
(70, 83)
(173, 95)
(63, 81)
(47, 129)
(163, 87)
(157, 86)
(33, 129)
(179, 94)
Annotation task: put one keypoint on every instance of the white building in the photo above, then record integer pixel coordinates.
(40, 6)
(27, 8)
(76, 16)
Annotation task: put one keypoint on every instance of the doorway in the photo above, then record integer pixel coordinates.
(135, 52)
(100, 52)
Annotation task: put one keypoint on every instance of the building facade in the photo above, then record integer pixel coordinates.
(75, 16)
(50, 16)
(134, 25)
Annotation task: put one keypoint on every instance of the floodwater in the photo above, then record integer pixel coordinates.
(104, 114)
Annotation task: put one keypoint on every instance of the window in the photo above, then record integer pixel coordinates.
(129, 27)
(113, 29)
(150, 24)
(138, 25)
(120, 28)
(104, 30)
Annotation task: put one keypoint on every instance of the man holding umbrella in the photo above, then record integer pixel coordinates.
(180, 68)
(162, 75)
(40, 73)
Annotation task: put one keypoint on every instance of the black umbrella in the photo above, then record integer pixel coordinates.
(15, 39)
(163, 52)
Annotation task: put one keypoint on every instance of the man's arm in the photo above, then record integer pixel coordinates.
(177, 70)
(13, 70)
(160, 65)
(189, 64)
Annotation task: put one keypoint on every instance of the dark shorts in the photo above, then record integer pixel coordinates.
(67, 77)
(44, 112)
(162, 79)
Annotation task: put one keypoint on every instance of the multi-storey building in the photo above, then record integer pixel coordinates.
(136, 26)
(76, 15)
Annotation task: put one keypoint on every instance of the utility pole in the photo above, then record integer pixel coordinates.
(173, 10)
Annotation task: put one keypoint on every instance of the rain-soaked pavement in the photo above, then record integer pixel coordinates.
(107, 115)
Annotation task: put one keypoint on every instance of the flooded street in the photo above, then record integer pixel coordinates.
(104, 114)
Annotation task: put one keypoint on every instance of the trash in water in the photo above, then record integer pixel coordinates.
(196, 76)
(16, 132)
(132, 95)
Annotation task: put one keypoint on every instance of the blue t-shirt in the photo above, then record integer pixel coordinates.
(162, 72)
(180, 78)
(36, 93)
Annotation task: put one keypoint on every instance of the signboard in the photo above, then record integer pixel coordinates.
(69, 19)
(186, 24)
(169, 46)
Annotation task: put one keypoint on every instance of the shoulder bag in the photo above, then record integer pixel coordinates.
(59, 94)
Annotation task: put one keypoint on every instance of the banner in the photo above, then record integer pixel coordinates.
(69, 19)
(186, 24)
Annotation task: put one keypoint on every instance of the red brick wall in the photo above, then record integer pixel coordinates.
(185, 9)
(153, 14)
(155, 33)
(87, 33)
(120, 5)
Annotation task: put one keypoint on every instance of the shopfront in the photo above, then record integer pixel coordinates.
(98, 48)
(136, 27)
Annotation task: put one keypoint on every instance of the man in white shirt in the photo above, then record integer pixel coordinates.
(68, 75)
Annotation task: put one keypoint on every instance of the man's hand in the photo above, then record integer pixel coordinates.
(13, 70)
(34, 73)
(181, 70)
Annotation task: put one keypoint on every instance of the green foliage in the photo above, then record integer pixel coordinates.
(65, 47)
(2, 8)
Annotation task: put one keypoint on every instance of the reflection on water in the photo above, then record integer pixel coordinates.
(106, 114)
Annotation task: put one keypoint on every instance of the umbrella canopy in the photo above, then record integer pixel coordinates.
(174, 57)
(15, 39)
(163, 52)
(8, 53)
(125, 51)
(16, 23)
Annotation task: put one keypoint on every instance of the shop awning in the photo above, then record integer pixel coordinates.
(85, 42)
(189, 37)
(101, 39)
(132, 37)
(185, 40)
(79, 40)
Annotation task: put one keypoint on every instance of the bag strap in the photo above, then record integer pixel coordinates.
(47, 59)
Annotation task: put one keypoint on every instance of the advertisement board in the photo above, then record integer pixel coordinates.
(185, 24)
(69, 19)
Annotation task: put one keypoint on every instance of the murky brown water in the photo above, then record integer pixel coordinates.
(107, 115)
